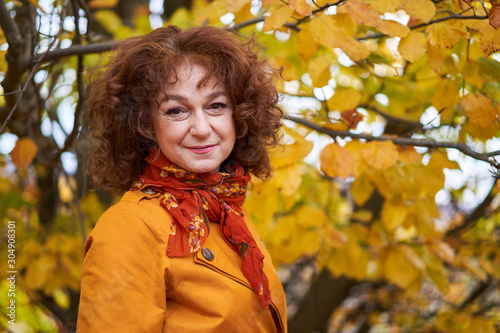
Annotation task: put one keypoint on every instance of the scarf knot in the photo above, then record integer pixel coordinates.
(193, 200)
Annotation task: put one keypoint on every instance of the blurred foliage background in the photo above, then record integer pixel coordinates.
(383, 211)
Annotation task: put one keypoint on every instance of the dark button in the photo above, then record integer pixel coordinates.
(207, 253)
(149, 191)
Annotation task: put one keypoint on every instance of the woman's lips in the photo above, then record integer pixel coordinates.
(202, 149)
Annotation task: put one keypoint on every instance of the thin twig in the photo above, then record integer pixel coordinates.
(398, 140)
(442, 19)
(35, 67)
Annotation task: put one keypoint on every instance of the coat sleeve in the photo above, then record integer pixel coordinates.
(124, 272)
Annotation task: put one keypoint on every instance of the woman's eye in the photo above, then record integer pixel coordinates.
(174, 111)
(217, 106)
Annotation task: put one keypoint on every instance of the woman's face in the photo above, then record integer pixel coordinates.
(194, 125)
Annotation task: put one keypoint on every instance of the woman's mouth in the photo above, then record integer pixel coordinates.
(202, 149)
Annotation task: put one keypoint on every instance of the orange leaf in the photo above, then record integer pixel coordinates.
(422, 10)
(490, 39)
(306, 45)
(380, 154)
(351, 118)
(23, 153)
(480, 109)
(301, 7)
(413, 46)
(336, 161)
(445, 94)
(278, 18)
(494, 15)
(446, 35)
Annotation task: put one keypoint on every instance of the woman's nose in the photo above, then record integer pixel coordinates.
(200, 124)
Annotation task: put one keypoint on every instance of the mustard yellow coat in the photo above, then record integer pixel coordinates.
(129, 284)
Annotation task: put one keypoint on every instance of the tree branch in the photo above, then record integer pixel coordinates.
(410, 124)
(77, 50)
(9, 27)
(33, 70)
(399, 141)
(473, 217)
(421, 25)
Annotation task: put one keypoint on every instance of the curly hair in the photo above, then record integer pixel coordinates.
(124, 94)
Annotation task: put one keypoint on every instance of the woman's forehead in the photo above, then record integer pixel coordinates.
(190, 71)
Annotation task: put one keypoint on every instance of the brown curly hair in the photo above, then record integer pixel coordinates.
(124, 94)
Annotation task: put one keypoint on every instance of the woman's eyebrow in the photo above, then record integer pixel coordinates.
(175, 97)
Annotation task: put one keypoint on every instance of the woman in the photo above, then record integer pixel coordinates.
(180, 120)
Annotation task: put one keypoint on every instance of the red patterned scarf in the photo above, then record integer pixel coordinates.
(195, 199)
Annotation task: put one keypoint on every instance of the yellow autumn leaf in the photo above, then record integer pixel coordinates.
(344, 99)
(386, 6)
(356, 148)
(422, 10)
(393, 215)
(361, 11)
(287, 179)
(436, 271)
(113, 24)
(243, 14)
(413, 257)
(211, 13)
(445, 94)
(380, 154)
(346, 22)
(288, 154)
(336, 161)
(289, 72)
(435, 57)
(444, 251)
(398, 269)
(445, 35)
(393, 28)
(364, 13)
(480, 110)
(307, 217)
(235, 5)
(306, 45)
(490, 40)
(40, 271)
(301, 7)
(325, 31)
(319, 70)
(277, 18)
(261, 203)
(413, 46)
(359, 255)
(362, 189)
(484, 133)
(480, 324)
(23, 152)
(335, 237)
(355, 50)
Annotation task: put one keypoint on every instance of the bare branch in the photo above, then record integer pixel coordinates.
(34, 69)
(421, 25)
(81, 94)
(398, 140)
(9, 27)
(77, 50)
(493, 153)
(392, 119)
(471, 219)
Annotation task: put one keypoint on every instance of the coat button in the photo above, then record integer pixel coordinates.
(207, 253)
(149, 191)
